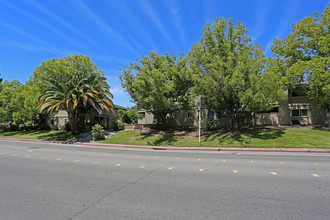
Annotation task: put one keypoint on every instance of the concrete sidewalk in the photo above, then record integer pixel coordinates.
(305, 150)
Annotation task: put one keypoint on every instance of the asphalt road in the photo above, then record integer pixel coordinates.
(52, 181)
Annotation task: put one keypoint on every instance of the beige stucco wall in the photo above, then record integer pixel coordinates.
(61, 118)
(147, 119)
(180, 119)
(284, 115)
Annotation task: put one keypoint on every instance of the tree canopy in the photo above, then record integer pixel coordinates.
(305, 54)
(9, 99)
(230, 73)
(130, 116)
(158, 84)
(75, 85)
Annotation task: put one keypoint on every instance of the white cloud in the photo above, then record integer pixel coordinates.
(177, 23)
(45, 25)
(208, 6)
(61, 21)
(15, 44)
(146, 7)
(262, 10)
(104, 26)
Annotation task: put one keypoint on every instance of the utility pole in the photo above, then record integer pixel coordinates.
(199, 118)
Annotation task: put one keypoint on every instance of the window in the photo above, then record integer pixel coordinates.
(275, 109)
(300, 112)
(212, 115)
(189, 115)
(303, 112)
(295, 112)
(142, 115)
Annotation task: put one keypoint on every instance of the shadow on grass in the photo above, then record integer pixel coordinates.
(58, 136)
(42, 135)
(20, 133)
(244, 136)
(265, 134)
(322, 129)
(164, 138)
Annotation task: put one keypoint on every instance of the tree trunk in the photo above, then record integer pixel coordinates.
(72, 116)
(81, 121)
(161, 121)
(234, 123)
(327, 113)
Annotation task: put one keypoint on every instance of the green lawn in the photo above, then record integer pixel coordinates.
(40, 135)
(288, 138)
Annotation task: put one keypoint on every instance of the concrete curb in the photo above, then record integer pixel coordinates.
(303, 150)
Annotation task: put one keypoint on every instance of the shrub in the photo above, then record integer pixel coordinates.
(44, 128)
(3, 129)
(118, 125)
(67, 126)
(209, 124)
(130, 116)
(98, 132)
(13, 128)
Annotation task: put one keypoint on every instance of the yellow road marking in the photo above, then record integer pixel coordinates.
(76, 161)
(118, 165)
(199, 158)
(97, 162)
(235, 171)
(171, 168)
(273, 173)
(43, 157)
(316, 164)
(28, 156)
(201, 170)
(251, 161)
(316, 175)
(177, 158)
(224, 160)
(59, 159)
(143, 166)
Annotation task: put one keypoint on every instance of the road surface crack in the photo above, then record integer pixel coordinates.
(117, 190)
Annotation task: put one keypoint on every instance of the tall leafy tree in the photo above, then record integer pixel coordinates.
(8, 94)
(24, 103)
(129, 116)
(305, 54)
(74, 84)
(231, 74)
(17, 102)
(158, 84)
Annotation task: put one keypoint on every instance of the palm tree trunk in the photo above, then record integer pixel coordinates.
(72, 116)
(81, 121)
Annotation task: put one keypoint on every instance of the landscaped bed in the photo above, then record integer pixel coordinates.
(283, 137)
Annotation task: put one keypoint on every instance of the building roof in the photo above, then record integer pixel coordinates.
(120, 107)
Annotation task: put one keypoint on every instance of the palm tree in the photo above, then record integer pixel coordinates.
(76, 93)
(94, 94)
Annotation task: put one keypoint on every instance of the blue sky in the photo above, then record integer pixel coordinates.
(114, 33)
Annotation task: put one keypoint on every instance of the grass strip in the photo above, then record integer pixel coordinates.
(39, 135)
(265, 138)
